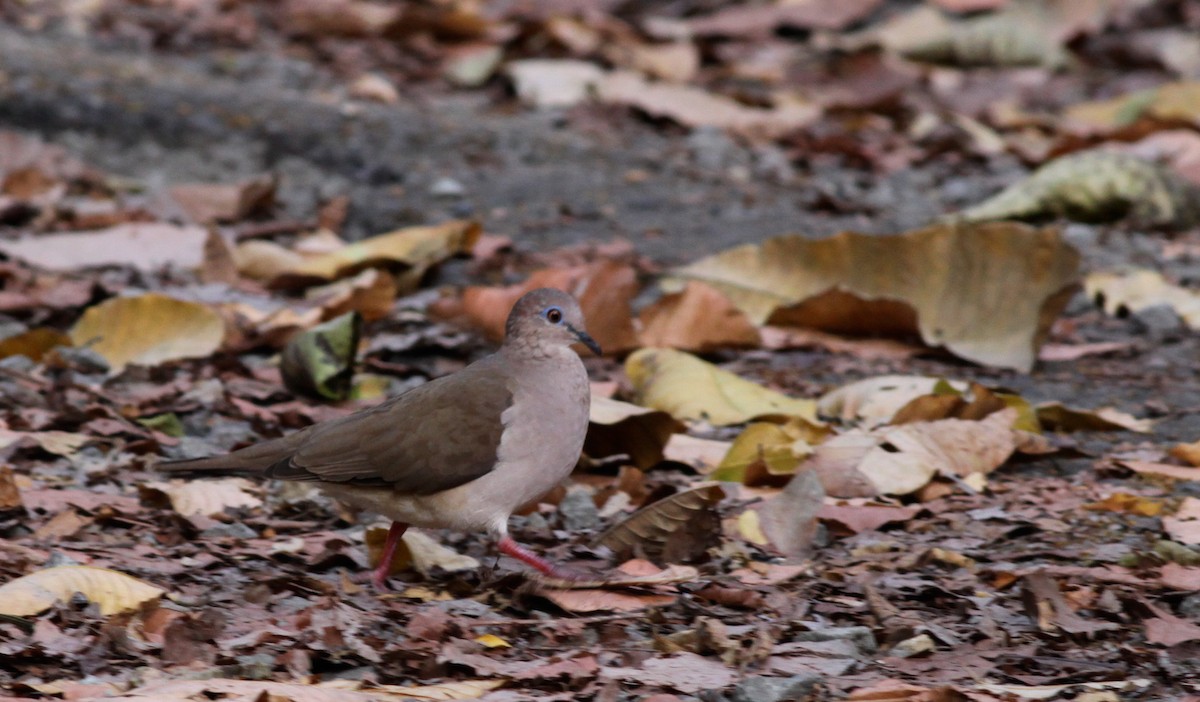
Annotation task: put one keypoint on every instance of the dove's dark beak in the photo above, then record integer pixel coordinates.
(586, 340)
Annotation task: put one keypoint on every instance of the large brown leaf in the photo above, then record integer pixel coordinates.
(987, 292)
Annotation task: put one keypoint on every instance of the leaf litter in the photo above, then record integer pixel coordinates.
(973, 535)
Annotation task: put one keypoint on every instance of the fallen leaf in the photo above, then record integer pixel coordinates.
(1163, 469)
(144, 245)
(865, 516)
(789, 520)
(1166, 103)
(1128, 292)
(654, 531)
(760, 21)
(700, 318)
(10, 495)
(695, 107)
(413, 249)
(690, 388)
(374, 87)
(684, 672)
(994, 305)
(1054, 416)
(781, 338)
(148, 330)
(1188, 453)
(320, 362)
(332, 691)
(703, 455)
(1074, 352)
(1022, 34)
(492, 641)
(1096, 185)
(617, 427)
(1167, 629)
(339, 18)
(208, 203)
(950, 447)
(1045, 604)
(585, 601)
(874, 401)
(33, 344)
(768, 454)
(206, 498)
(418, 551)
(371, 294)
(553, 82)
(112, 591)
(1130, 504)
(1184, 525)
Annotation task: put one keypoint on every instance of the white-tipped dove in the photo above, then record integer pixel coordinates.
(459, 452)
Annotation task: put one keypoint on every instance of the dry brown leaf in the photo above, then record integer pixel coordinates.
(652, 532)
(987, 292)
(780, 338)
(858, 515)
(1188, 453)
(1178, 148)
(695, 107)
(690, 388)
(414, 249)
(339, 18)
(208, 203)
(10, 494)
(148, 330)
(371, 293)
(1128, 292)
(33, 344)
(700, 318)
(265, 260)
(686, 672)
(1166, 103)
(112, 591)
(789, 520)
(761, 20)
(206, 498)
(622, 428)
(1045, 604)
(142, 245)
(1163, 469)
(604, 290)
(1184, 525)
(584, 601)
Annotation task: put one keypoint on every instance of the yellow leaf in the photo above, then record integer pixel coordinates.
(987, 292)
(773, 448)
(112, 591)
(415, 247)
(493, 641)
(750, 527)
(690, 388)
(34, 343)
(1131, 504)
(148, 330)
(1132, 291)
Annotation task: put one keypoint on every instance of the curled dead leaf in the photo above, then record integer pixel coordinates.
(206, 498)
(700, 318)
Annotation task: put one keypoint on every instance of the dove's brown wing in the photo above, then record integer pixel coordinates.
(434, 437)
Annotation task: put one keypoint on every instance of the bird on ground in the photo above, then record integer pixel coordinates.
(460, 452)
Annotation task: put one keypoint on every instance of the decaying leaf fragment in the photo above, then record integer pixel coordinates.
(987, 292)
(789, 520)
(1128, 292)
(112, 591)
(690, 388)
(320, 361)
(418, 551)
(148, 330)
(671, 529)
(1098, 185)
(1021, 35)
(617, 427)
(700, 318)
